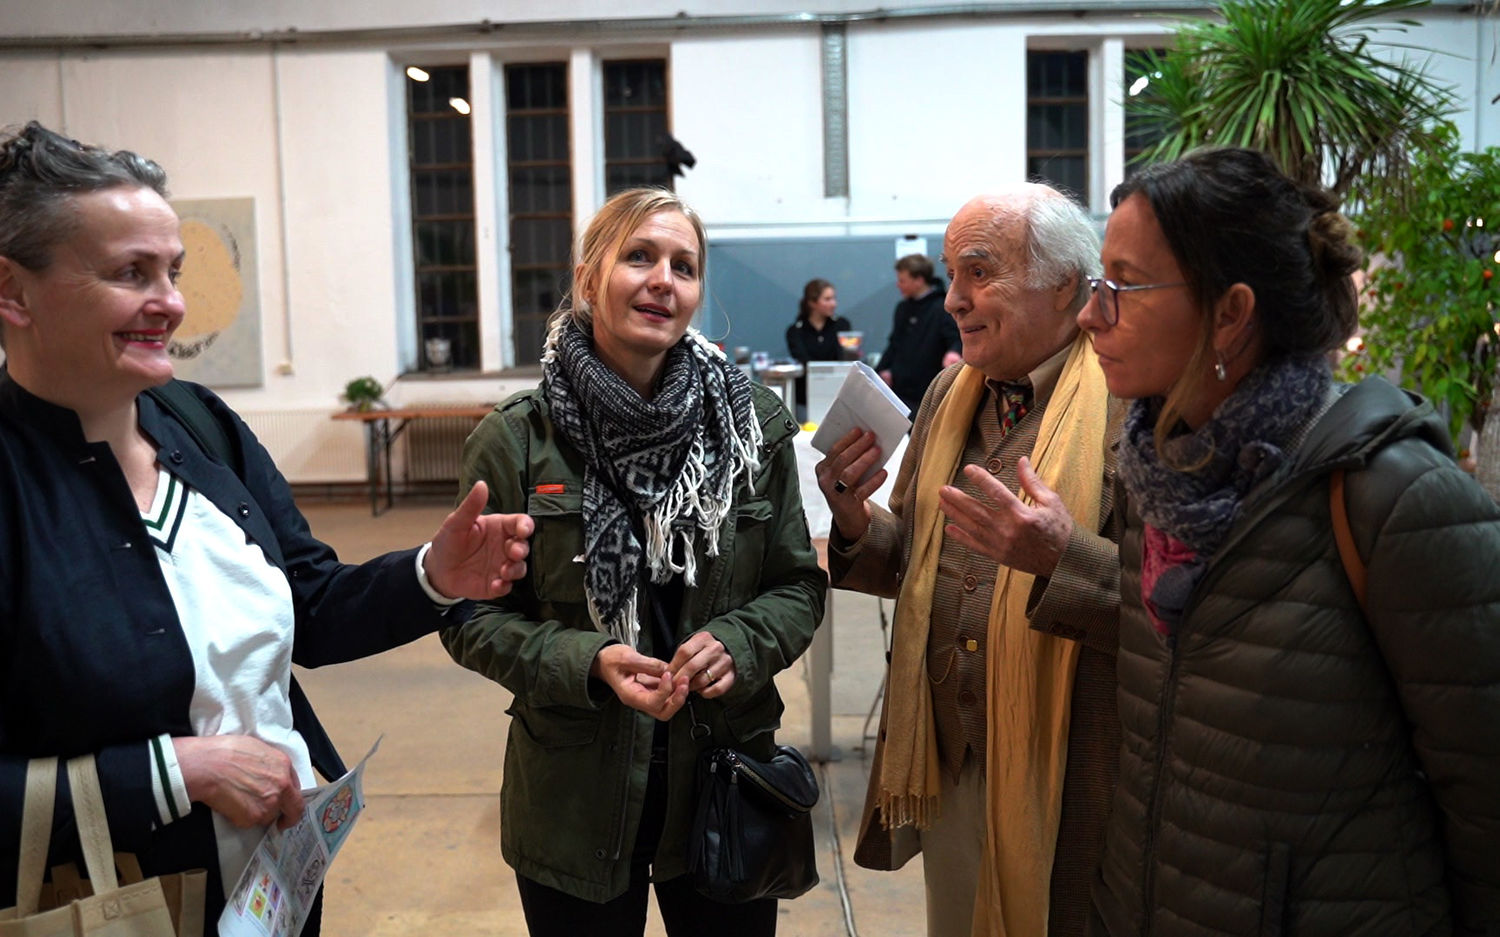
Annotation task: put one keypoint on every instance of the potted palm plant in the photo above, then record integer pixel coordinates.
(1302, 80)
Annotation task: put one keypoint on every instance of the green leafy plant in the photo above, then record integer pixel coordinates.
(1431, 300)
(363, 393)
(1298, 79)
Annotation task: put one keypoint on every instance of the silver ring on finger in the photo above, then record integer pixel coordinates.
(839, 486)
(708, 675)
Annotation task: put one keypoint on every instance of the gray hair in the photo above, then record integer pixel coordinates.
(41, 171)
(1061, 243)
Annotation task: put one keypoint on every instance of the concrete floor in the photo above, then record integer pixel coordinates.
(425, 858)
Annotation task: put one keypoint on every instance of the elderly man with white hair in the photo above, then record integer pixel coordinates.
(999, 740)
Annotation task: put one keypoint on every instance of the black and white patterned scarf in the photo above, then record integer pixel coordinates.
(671, 461)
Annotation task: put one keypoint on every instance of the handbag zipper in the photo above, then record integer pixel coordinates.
(739, 769)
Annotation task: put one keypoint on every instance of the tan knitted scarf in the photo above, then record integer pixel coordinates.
(1030, 675)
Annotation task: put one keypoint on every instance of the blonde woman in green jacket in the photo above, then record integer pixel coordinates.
(671, 577)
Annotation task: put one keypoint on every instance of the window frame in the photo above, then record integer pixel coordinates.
(422, 321)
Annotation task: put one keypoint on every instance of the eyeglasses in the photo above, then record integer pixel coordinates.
(1109, 296)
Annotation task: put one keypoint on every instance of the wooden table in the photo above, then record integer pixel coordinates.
(380, 436)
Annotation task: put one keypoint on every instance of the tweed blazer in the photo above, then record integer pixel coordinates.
(1080, 601)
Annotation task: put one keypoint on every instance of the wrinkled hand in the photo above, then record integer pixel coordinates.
(849, 459)
(243, 779)
(1027, 537)
(475, 555)
(706, 664)
(641, 682)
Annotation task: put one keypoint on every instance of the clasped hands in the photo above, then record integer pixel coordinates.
(1029, 537)
(660, 688)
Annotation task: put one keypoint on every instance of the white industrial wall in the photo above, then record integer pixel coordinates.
(313, 133)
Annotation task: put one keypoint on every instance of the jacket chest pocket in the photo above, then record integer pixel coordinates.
(752, 523)
(557, 540)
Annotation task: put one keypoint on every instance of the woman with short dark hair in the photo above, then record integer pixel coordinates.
(155, 590)
(1307, 750)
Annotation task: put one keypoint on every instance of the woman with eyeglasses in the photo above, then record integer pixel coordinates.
(1302, 755)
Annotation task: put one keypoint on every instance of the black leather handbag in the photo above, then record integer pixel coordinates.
(752, 832)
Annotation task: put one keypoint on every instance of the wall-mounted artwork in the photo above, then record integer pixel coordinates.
(218, 343)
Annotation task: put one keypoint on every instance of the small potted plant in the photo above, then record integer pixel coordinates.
(363, 393)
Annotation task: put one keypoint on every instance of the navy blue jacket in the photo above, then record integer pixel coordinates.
(92, 655)
(922, 333)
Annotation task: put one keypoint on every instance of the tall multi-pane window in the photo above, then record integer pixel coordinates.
(635, 124)
(539, 171)
(442, 194)
(1057, 119)
(1141, 132)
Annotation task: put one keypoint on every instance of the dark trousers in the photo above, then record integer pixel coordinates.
(552, 913)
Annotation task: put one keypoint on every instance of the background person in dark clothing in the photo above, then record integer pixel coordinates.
(815, 334)
(923, 339)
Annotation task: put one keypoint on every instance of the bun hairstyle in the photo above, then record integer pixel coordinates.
(1231, 216)
(1334, 255)
(810, 294)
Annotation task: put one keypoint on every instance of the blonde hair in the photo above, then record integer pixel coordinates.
(599, 246)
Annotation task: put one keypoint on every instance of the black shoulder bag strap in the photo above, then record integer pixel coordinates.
(200, 423)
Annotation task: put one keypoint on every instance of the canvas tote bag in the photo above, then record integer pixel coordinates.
(165, 906)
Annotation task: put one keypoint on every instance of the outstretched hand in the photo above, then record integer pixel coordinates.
(641, 682)
(476, 555)
(1027, 537)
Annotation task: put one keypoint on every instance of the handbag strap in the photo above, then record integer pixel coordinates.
(1338, 510)
(36, 833)
(93, 824)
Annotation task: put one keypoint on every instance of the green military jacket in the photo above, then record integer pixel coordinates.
(576, 758)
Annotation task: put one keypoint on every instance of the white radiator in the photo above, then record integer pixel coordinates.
(432, 448)
(310, 447)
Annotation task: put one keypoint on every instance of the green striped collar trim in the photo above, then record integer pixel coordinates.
(163, 527)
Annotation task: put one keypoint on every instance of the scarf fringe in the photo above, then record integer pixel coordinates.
(697, 500)
(626, 628)
(909, 809)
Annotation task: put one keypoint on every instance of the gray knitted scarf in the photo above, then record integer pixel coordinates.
(670, 463)
(1244, 442)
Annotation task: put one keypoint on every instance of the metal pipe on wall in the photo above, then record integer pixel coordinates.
(835, 68)
(575, 29)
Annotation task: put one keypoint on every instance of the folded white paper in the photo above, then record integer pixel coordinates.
(864, 401)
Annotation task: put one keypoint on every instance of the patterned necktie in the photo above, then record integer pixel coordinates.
(1015, 401)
